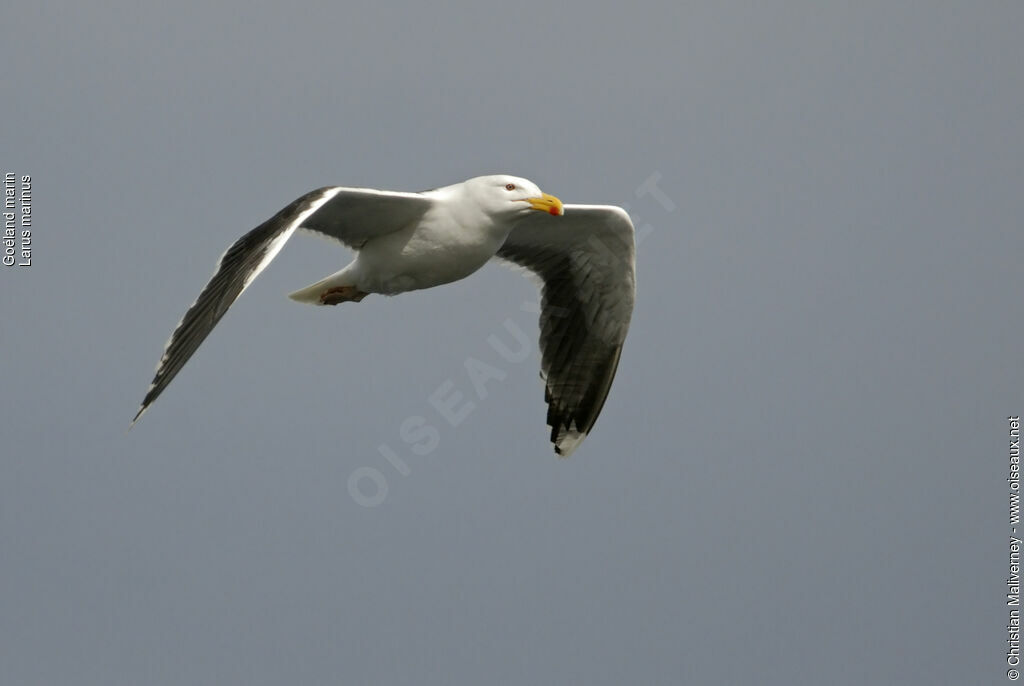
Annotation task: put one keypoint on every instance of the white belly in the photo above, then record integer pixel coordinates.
(432, 254)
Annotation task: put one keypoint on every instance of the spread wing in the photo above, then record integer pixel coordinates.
(349, 215)
(585, 260)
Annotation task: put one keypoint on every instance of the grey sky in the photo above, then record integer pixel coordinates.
(798, 476)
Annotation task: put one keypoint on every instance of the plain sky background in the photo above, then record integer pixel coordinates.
(799, 475)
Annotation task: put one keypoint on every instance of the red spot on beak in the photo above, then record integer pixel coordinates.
(553, 211)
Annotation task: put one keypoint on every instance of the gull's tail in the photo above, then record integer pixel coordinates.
(311, 294)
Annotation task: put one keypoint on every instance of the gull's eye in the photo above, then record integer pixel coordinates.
(510, 186)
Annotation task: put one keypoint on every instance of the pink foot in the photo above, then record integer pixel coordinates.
(341, 294)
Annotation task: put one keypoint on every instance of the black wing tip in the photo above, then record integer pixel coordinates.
(138, 414)
(566, 438)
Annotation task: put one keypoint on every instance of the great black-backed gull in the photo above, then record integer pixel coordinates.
(582, 254)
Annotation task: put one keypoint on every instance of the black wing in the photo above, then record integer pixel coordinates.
(350, 215)
(585, 261)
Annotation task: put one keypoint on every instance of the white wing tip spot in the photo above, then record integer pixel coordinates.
(568, 442)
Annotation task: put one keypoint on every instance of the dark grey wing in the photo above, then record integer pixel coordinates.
(585, 260)
(350, 215)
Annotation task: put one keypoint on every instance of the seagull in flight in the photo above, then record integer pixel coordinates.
(582, 255)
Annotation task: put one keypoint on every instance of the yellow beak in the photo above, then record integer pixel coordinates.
(547, 203)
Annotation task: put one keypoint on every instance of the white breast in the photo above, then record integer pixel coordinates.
(442, 248)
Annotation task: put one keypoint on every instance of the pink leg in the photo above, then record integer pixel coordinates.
(341, 294)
